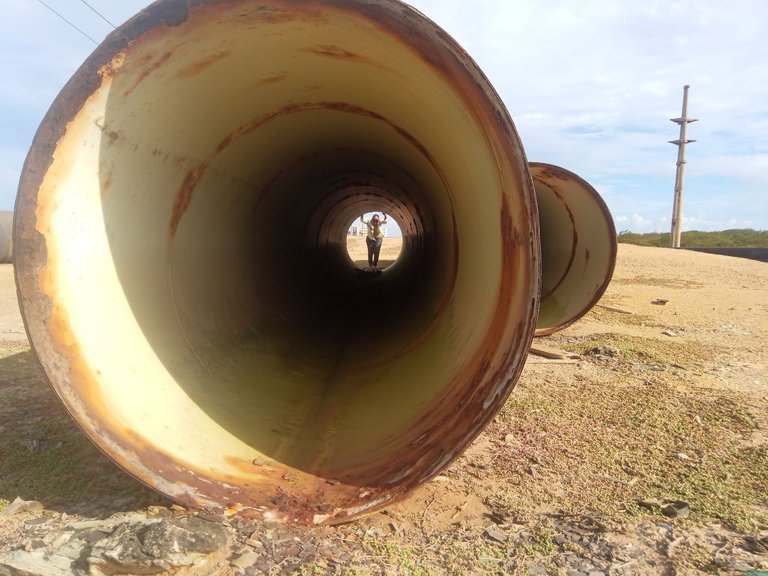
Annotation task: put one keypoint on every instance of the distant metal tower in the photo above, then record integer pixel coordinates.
(677, 207)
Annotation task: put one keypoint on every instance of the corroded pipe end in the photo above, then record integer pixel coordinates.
(578, 246)
(181, 263)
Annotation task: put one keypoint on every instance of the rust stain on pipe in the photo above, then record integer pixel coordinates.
(184, 196)
(273, 79)
(197, 67)
(148, 70)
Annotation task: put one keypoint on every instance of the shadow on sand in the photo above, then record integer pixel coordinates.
(45, 457)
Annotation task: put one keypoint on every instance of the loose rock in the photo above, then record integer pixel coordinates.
(18, 506)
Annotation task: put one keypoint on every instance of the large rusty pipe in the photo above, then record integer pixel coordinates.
(180, 231)
(578, 246)
(6, 236)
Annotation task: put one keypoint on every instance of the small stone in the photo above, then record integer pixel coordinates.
(397, 528)
(34, 563)
(33, 544)
(73, 549)
(245, 560)
(54, 540)
(649, 503)
(93, 536)
(740, 566)
(185, 535)
(604, 352)
(217, 518)
(341, 558)
(675, 509)
(308, 553)
(756, 545)
(155, 546)
(292, 550)
(537, 571)
(87, 524)
(35, 522)
(493, 533)
(669, 333)
(18, 506)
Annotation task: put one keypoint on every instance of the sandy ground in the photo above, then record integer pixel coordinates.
(358, 251)
(713, 301)
(707, 314)
(11, 325)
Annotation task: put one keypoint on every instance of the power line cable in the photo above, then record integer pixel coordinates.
(99, 14)
(68, 22)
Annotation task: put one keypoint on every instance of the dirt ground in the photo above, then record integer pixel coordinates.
(11, 325)
(645, 453)
(358, 251)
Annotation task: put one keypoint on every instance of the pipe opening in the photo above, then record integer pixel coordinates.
(357, 242)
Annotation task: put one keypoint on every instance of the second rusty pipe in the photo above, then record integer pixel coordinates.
(578, 246)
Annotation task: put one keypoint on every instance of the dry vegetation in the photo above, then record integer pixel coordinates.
(666, 410)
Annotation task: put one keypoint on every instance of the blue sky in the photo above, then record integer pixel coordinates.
(590, 84)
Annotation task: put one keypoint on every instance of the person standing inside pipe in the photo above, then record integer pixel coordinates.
(375, 238)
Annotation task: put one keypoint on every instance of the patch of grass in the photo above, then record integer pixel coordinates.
(400, 556)
(694, 556)
(732, 487)
(346, 571)
(56, 464)
(539, 545)
(606, 316)
(658, 282)
(732, 237)
(598, 448)
(634, 349)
